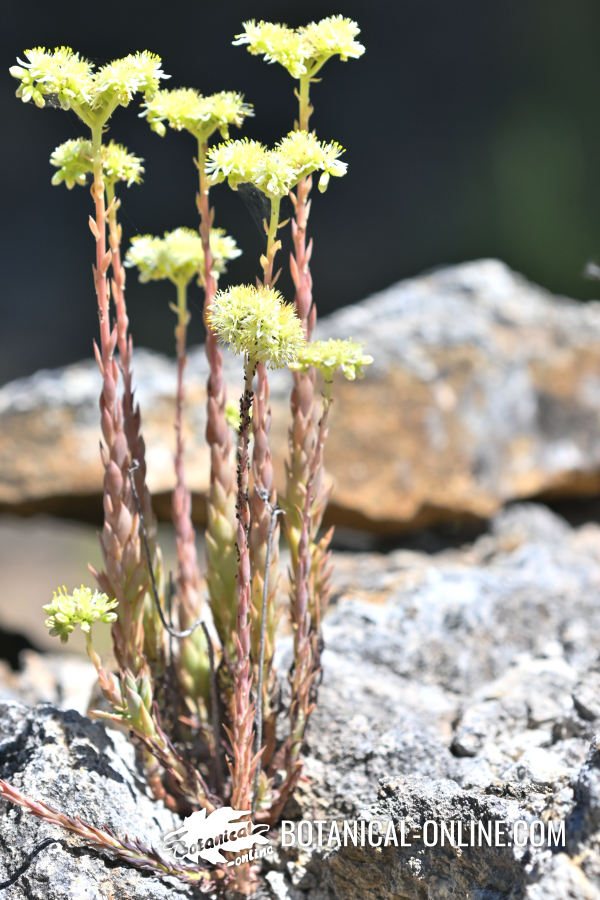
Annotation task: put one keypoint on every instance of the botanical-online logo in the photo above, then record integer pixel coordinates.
(205, 837)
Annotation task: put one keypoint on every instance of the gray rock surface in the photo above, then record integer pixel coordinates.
(484, 389)
(458, 685)
(80, 769)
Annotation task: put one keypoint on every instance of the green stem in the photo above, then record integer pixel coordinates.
(304, 93)
(182, 315)
(304, 98)
(275, 204)
(210, 284)
(90, 650)
(273, 244)
(110, 196)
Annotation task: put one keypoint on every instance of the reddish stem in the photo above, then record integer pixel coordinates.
(188, 576)
(300, 260)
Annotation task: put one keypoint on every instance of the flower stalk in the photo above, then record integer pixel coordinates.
(197, 695)
(131, 851)
(186, 109)
(153, 646)
(256, 324)
(125, 577)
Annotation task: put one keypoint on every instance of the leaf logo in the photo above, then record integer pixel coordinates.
(205, 837)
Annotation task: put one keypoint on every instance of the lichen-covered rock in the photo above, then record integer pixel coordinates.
(80, 769)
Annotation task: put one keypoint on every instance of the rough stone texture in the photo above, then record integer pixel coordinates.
(485, 389)
(456, 685)
(81, 769)
(460, 685)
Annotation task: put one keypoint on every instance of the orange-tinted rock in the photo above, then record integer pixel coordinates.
(484, 389)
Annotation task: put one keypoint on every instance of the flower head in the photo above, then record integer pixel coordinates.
(327, 356)
(79, 608)
(276, 171)
(302, 49)
(73, 159)
(122, 78)
(256, 322)
(273, 174)
(234, 161)
(58, 72)
(333, 36)
(120, 165)
(185, 108)
(306, 154)
(179, 255)
(93, 95)
(277, 43)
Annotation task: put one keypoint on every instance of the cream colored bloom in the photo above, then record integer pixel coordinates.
(120, 165)
(256, 322)
(234, 161)
(276, 171)
(82, 607)
(327, 356)
(274, 174)
(302, 49)
(185, 108)
(307, 154)
(122, 78)
(179, 255)
(277, 43)
(59, 72)
(333, 36)
(93, 95)
(73, 159)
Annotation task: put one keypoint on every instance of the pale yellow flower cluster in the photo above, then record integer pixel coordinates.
(327, 356)
(179, 255)
(307, 155)
(72, 80)
(301, 49)
(73, 159)
(82, 607)
(186, 108)
(277, 171)
(256, 322)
